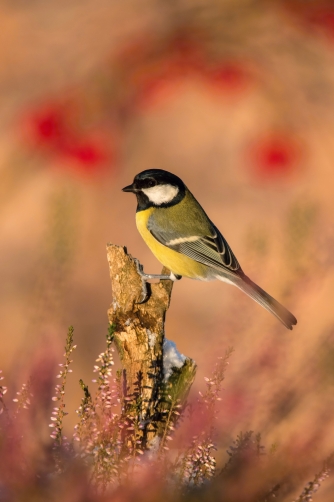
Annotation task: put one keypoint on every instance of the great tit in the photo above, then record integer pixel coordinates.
(183, 238)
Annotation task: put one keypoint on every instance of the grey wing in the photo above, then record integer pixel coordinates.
(211, 250)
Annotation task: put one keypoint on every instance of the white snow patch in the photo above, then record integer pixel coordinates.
(128, 322)
(151, 338)
(171, 359)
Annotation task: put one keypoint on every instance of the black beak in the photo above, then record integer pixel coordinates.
(129, 188)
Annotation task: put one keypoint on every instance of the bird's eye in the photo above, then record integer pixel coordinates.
(150, 183)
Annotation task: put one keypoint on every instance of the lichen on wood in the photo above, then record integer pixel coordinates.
(139, 332)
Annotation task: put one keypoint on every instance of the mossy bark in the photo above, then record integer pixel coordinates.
(139, 332)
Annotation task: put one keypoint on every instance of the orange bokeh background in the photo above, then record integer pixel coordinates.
(237, 99)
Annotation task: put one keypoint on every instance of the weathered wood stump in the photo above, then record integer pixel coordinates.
(155, 378)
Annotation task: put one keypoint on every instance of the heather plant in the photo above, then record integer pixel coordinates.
(140, 434)
(105, 458)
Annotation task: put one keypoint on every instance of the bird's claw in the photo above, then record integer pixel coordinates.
(146, 277)
(145, 292)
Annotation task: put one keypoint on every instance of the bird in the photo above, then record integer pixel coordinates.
(183, 238)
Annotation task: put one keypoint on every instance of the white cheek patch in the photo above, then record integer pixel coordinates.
(161, 194)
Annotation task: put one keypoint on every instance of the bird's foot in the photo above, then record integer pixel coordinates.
(146, 277)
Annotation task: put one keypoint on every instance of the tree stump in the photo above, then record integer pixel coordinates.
(155, 378)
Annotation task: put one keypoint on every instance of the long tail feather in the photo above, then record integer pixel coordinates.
(268, 302)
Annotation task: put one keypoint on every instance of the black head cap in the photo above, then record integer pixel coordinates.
(151, 178)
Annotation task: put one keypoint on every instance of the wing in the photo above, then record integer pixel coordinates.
(211, 250)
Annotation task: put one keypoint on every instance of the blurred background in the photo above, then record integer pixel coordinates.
(236, 98)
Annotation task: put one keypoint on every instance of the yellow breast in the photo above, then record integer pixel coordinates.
(178, 263)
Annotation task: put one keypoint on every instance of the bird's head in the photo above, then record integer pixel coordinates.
(155, 187)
